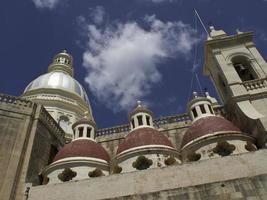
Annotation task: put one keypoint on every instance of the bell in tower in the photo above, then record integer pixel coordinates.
(238, 72)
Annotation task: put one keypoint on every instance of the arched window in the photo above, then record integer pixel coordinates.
(133, 123)
(88, 133)
(194, 111)
(80, 129)
(140, 120)
(243, 68)
(202, 108)
(147, 120)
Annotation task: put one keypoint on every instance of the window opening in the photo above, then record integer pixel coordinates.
(89, 132)
(202, 108)
(194, 112)
(140, 121)
(211, 111)
(147, 120)
(243, 72)
(80, 131)
(133, 124)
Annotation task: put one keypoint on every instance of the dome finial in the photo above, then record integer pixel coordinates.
(195, 94)
(139, 103)
(64, 50)
(86, 115)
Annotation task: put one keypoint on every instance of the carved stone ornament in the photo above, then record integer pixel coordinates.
(96, 173)
(67, 175)
(223, 148)
(142, 163)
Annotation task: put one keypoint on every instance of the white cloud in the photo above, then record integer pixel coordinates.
(46, 3)
(122, 60)
(98, 14)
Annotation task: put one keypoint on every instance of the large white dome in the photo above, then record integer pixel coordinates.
(58, 80)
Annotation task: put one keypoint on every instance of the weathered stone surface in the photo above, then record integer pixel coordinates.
(231, 177)
(238, 189)
(27, 132)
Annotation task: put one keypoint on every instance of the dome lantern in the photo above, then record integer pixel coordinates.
(140, 117)
(62, 62)
(84, 128)
(144, 145)
(200, 107)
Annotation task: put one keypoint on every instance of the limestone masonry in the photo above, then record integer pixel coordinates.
(51, 148)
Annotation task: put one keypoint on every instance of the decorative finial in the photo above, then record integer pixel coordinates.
(207, 94)
(86, 114)
(238, 31)
(139, 103)
(65, 51)
(195, 94)
(212, 28)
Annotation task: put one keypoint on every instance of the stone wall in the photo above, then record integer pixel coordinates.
(26, 134)
(230, 177)
(252, 188)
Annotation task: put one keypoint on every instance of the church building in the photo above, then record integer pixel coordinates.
(52, 148)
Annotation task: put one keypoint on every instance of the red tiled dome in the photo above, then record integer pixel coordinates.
(208, 125)
(82, 148)
(142, 137)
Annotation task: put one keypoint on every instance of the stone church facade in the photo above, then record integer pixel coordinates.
(52, 149)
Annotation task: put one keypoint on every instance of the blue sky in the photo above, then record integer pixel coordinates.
(124, 50)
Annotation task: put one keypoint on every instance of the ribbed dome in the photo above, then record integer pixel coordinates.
(82, 148)
(142, 137)
(58, 80)
(208, 125)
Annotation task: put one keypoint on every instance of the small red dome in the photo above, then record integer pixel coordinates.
(82, 148)
(208, 125)
(142, 137)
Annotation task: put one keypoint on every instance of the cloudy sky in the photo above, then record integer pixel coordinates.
(124, 50)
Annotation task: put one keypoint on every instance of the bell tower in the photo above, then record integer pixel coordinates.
(239, 74)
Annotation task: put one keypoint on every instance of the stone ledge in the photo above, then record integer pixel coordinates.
(154, 180)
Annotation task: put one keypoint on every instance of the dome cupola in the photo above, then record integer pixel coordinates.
(211, 135)
(200, 107)
(144, 146)
(62, 96)
(62, 62)
(84, 128)
(140, 117)
(80, 159)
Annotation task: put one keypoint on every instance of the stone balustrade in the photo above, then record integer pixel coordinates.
(15, 101)
(157, 122)
(255, 84)
(44, 115)
(52, 124)
(112, 130)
